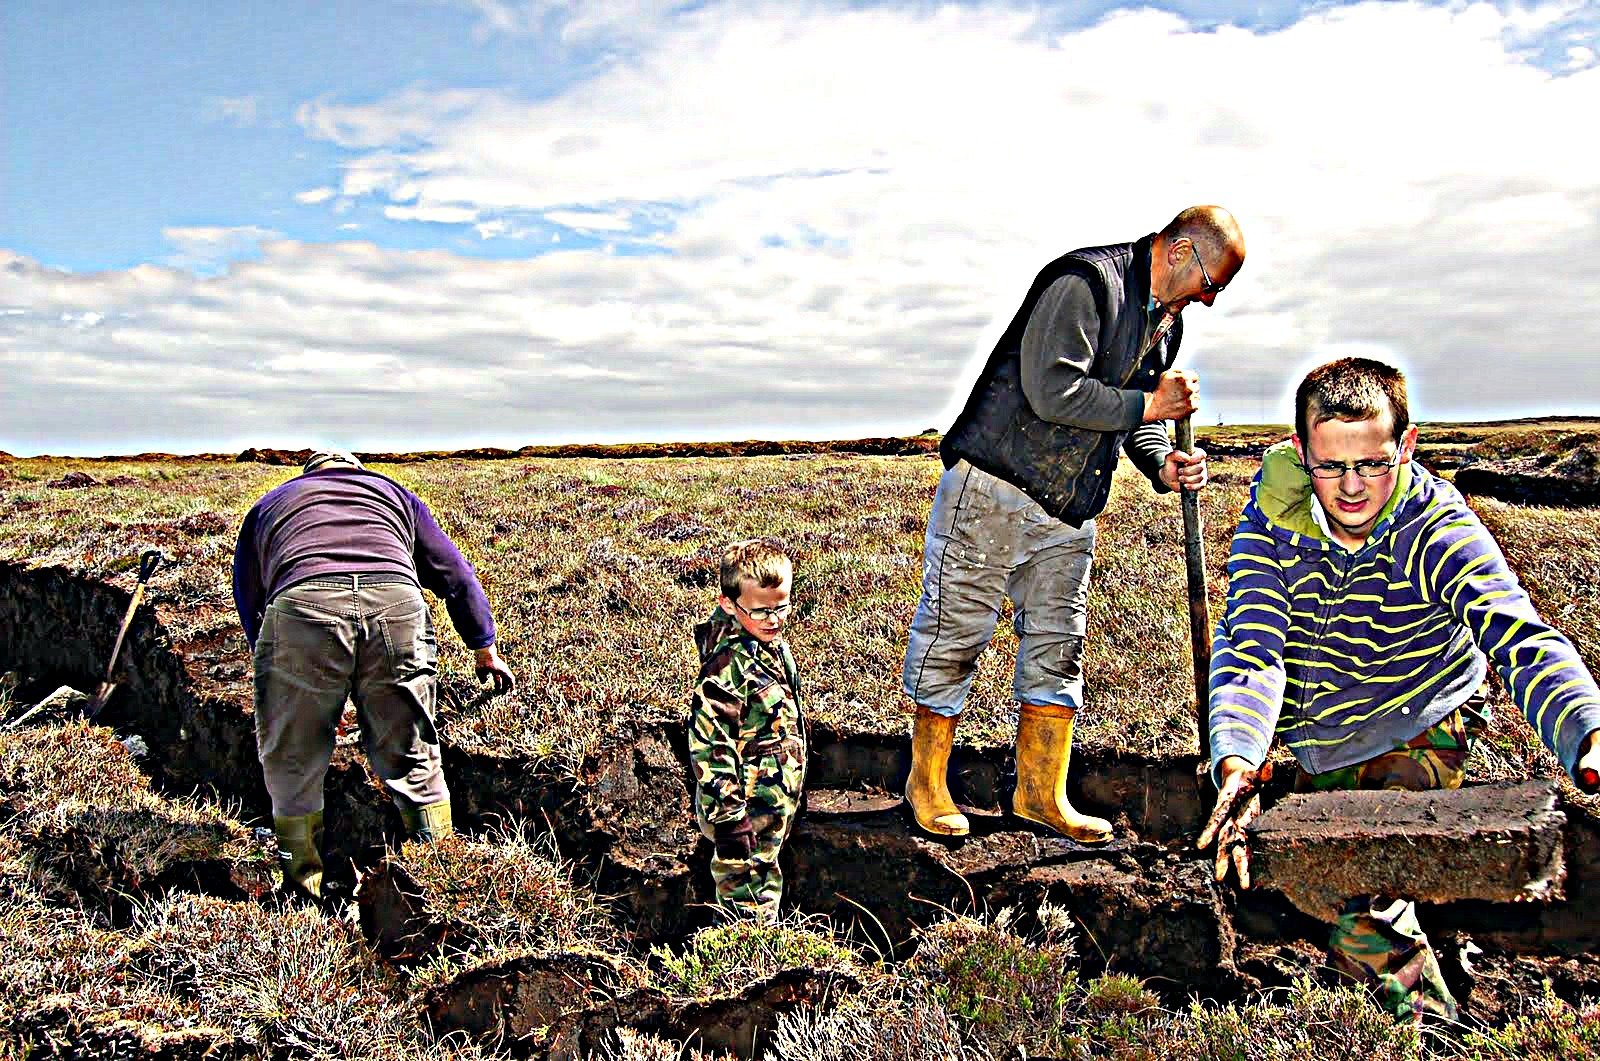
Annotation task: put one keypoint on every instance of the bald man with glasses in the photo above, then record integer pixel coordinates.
(1084, 370)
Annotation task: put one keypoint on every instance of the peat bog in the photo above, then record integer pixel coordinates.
(571, 919)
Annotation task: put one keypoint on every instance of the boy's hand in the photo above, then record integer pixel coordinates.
(735, 840)
(1238, 803)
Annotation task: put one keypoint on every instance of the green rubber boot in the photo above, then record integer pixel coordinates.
(430, 824)
(300, 852)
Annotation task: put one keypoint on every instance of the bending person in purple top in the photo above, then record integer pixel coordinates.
(328, 576)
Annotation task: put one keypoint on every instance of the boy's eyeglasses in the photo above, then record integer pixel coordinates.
(1209, 288)
(1365, 469)
(762, 615)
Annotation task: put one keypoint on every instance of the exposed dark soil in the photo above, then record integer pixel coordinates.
(1572, 481)
(1146, 902)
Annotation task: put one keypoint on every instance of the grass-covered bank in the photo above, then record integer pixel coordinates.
(597, 568)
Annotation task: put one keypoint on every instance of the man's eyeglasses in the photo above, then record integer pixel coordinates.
(1210, 287)
(1365, 469)
(762, 615)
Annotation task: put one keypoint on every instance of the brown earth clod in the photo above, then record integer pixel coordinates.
(1500, 842)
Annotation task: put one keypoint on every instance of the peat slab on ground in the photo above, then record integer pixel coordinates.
(568, 1005)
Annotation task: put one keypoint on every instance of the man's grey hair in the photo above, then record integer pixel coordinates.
(324, 457)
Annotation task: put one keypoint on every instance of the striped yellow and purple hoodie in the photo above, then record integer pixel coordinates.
(1349, 655)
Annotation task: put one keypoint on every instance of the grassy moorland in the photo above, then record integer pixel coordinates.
(598, 567)
(116, 945)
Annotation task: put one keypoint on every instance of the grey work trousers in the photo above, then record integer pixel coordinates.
(369, 637)
(987, 540)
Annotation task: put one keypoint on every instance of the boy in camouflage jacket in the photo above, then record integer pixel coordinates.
(746, 741)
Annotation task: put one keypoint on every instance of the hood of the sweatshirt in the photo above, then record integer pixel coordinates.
(1282, 494)
(713, 631)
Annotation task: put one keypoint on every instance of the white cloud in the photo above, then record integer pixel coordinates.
(591, 220)
(439, 215)
(313, 196)
(839, 210)
(575, 20)
(207, 248)
(242, 111)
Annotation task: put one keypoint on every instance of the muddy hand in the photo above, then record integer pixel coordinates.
(1238, 803)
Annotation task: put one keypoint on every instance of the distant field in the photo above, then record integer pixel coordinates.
(598, 567)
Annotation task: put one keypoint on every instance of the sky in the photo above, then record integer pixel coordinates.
(417, 224)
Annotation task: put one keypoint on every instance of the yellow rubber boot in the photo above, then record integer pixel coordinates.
(927, 789)
(299, 852)
(1044, 747)
(430, 823)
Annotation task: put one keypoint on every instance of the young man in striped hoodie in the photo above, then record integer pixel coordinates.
(1363, 598)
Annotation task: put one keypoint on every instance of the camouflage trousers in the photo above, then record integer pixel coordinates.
(753, 887)
(1376, 940)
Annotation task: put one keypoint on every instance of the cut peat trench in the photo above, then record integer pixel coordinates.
(1146, 902)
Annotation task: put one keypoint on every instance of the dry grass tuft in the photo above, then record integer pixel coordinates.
(724, 959)
(505, 896)
(630, 1045)
(889, 1021)
(74, 797)
(1305, 1021)
(194, 974)
(1006, 990)
(1551, 1030)
(286, 980)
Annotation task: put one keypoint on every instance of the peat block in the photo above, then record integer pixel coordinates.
(517, 1001)
(1157, 916)
(1500, 842)
(55, 1027)
(1146, 909)
(567, 1005)
(392, 911)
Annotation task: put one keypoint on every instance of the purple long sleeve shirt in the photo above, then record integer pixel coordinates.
(352, 521)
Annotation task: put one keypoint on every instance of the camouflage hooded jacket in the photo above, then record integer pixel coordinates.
(744, 716)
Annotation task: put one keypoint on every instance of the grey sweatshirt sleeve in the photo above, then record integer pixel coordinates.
(1058, 353)
(1147, 446)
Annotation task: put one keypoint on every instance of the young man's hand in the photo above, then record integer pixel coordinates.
(1238, 803)
(1587, 773)
(1185, 470)
(735, 840)
(488, 664)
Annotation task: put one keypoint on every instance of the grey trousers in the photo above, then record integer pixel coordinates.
(987, 541)
(366, 636)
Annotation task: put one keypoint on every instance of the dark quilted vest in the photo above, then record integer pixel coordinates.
(1066, 469)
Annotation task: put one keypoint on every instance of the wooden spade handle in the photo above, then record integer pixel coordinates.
(1194, 556)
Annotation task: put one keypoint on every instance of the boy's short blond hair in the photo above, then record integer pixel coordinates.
(762, 561)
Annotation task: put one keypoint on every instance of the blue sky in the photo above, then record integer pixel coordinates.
(449, 223)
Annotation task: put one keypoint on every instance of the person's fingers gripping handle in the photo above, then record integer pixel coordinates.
(1175, 396)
